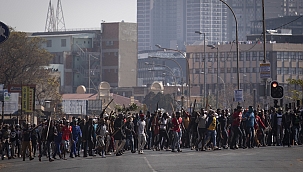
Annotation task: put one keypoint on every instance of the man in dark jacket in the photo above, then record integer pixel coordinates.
(6, 132)
(26, 142)
(119, 134)
(76, 135)
(88, 134)
(48, 134)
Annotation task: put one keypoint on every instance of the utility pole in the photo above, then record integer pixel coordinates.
(264, 52)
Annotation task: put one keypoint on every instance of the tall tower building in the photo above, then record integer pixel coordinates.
(172, 23)
(208, 17)
(247, 11)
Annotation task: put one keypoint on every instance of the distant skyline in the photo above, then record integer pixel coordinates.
(30, 15)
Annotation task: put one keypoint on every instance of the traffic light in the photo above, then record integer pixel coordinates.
(276, 91)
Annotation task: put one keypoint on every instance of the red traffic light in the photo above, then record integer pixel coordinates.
(274, 84)
(276, 91)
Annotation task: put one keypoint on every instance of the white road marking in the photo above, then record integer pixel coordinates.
(149, 164)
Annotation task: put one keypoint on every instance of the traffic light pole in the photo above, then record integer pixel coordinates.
(264, 53)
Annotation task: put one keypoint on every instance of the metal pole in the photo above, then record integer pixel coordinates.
(204, 73)
(217, 90)
(204, 67)
(264, 51)
(3, 112)
(237, 44)
(88, 73)
(254, 98)
(189, 85)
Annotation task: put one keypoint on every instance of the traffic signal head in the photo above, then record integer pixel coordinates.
(274, 84)
(276, 91)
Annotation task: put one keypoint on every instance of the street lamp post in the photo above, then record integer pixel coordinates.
(187, 70)
(217, 90)
(237, 44)
(204, 68)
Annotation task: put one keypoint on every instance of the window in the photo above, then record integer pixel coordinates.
(254, 56)
(210, 57)
(222, 70)
(197, 57)
(196, 71)
(285, 56)
(293, 70)
(242, 56)
(279, 71)
(279, 56)
(49, 43)
(210, 70)
(248, 58)
(248, 70)
(235, 70)
(241, 70)
(300, 56)
(203, 58)
(293, 57)
(228, 70)
(255, 70)
(63, 42)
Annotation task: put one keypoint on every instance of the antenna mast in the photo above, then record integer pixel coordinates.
(59, 17)
(50, 25)
(55, 22)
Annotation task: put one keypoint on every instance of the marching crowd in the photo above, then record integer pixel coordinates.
(114, 134)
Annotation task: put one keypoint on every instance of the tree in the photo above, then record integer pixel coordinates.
(23, 62)
(296, 94)
(22, 59)
(163, 101)
(48, 88)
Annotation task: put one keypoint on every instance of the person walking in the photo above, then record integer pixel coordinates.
(141, 132)
(76, 135)
(177, 130)
(26, 142)
(250, 122)
(211, 123)
(201, 121)
(237, 133)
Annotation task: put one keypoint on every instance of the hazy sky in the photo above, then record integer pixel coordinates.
(30, 15)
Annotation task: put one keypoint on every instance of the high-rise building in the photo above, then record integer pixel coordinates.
(247, 11)
(172, 23)
(208, 17)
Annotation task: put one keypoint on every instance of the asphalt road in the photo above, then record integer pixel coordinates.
(265, 159)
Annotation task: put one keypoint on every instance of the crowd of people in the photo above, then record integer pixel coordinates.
(113, 133)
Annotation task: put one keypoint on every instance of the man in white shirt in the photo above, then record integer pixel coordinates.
(141, 133)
